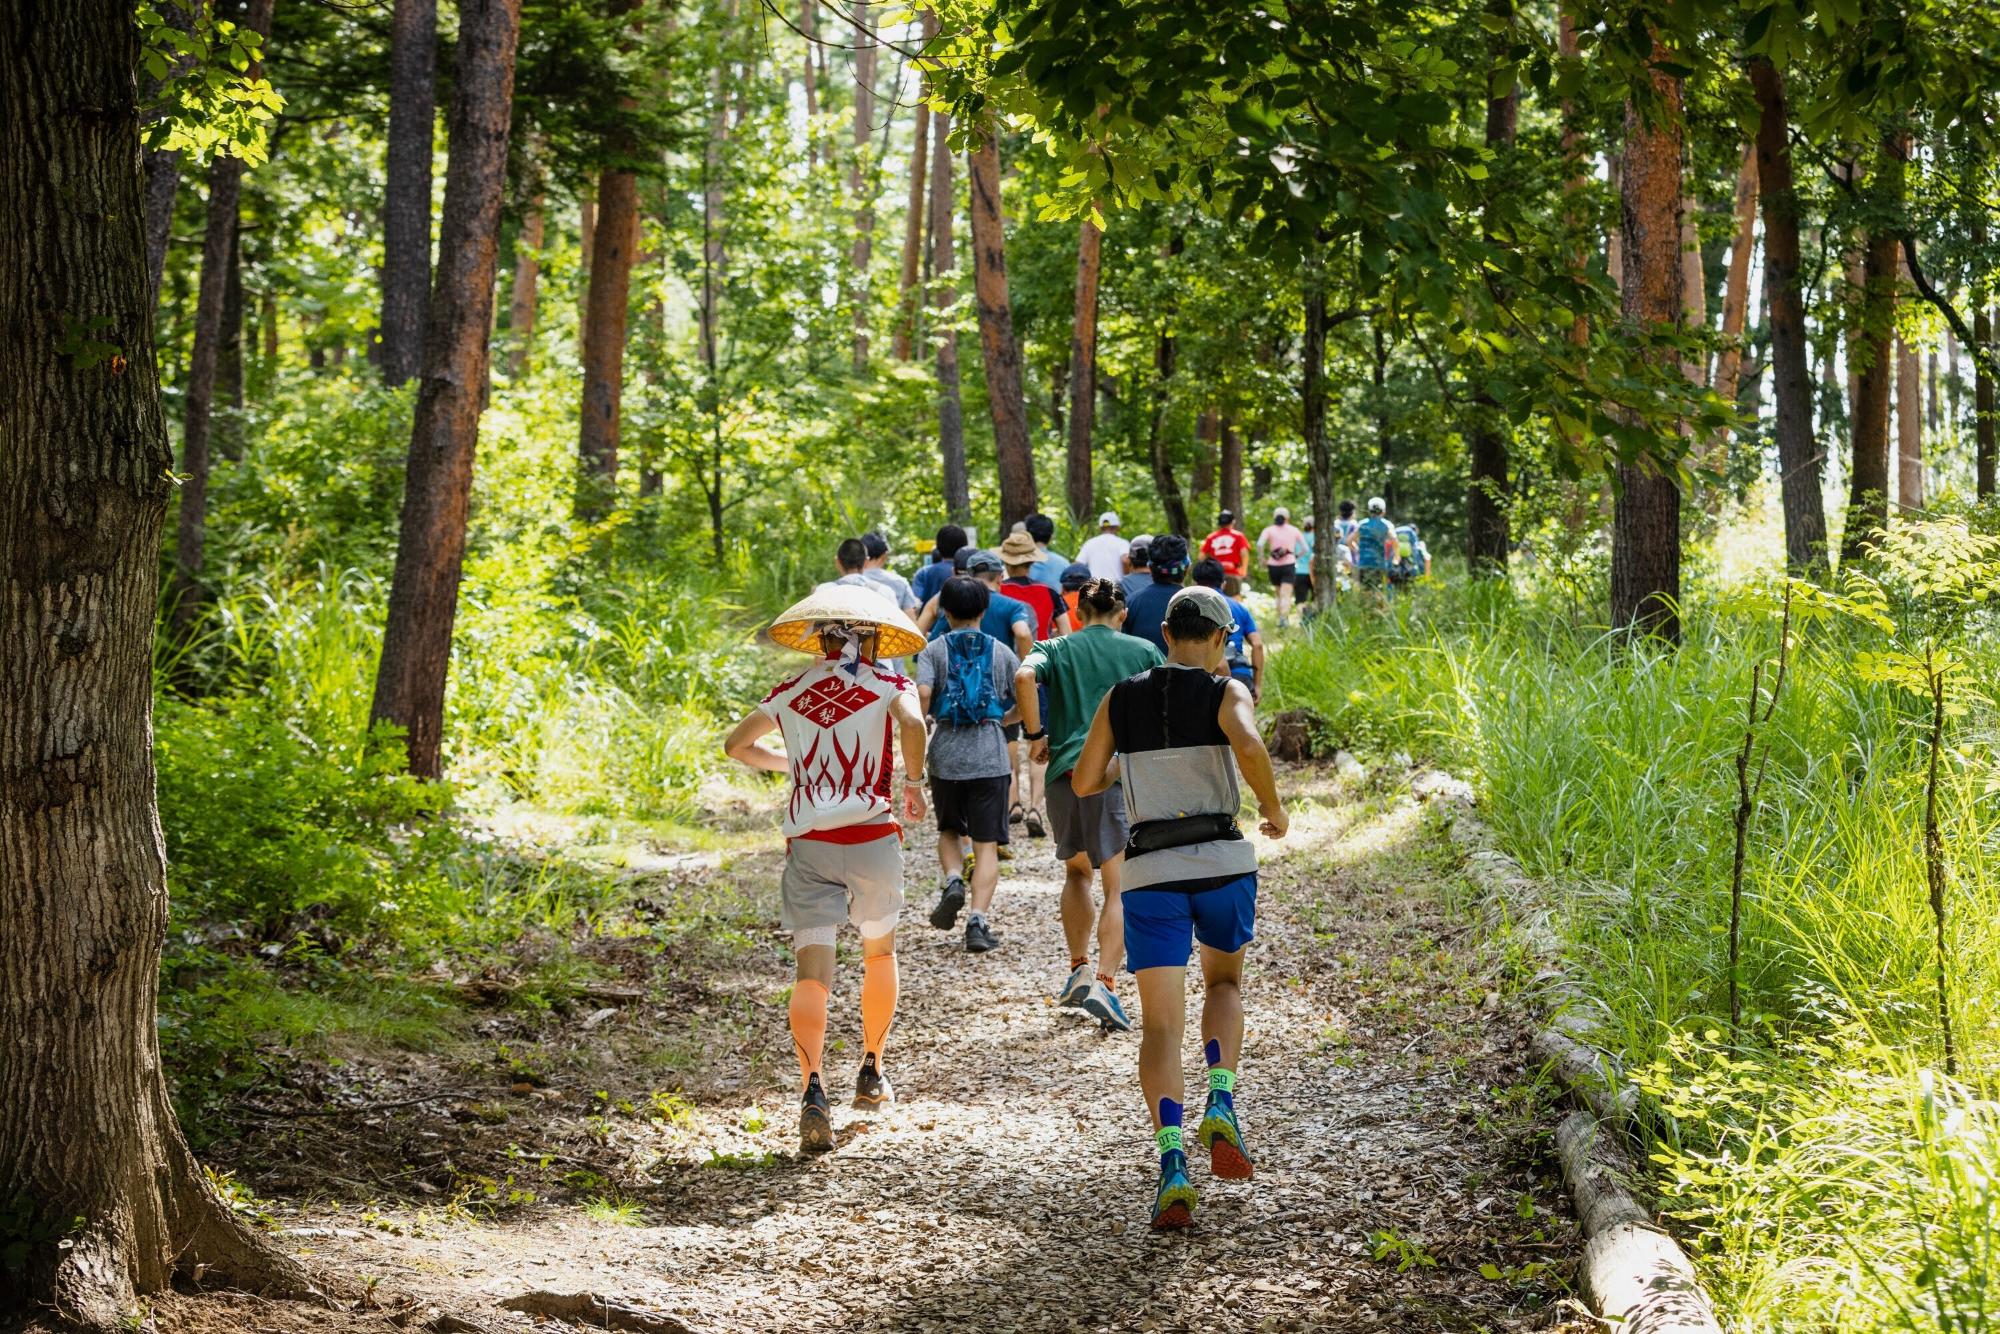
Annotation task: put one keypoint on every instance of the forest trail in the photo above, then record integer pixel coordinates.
(1383, 1095)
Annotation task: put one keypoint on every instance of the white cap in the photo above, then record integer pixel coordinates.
(1108, 519)
(1282, 514)
(1377, 505)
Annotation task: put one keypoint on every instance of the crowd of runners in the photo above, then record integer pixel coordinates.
(1107, 703)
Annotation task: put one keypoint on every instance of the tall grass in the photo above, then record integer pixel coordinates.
(1607, 771)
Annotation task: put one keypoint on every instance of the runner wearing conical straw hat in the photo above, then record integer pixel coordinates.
(841, 719)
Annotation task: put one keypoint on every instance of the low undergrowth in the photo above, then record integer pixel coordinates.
(1832, 1176)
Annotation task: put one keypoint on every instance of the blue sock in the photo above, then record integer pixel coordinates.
(1168, 1136)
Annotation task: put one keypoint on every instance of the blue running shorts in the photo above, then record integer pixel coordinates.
(1162, 923)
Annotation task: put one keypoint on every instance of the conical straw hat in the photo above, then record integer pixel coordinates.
(897, 636)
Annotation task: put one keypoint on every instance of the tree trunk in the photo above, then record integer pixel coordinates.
(1166, 360)
(163, 167)
(1614, 240)
(527, 273)
(1646, 537)
(603, 351)
(1201, 481)
(1735, 304)
(999, 353)
(1909, 430)
(808, 28)
(406, 200)
(1934, 398)
(1385, 444)
(1985, 413)
(1487, 494)
(1799, 458)
(1872, 348)
(944, 294)
(1231, 469)
(105, 1200)
(858, 179)
(1319, 459)
(228, 428)
(909, 295)
(1083, 372)
(586, 238)
(437, 490)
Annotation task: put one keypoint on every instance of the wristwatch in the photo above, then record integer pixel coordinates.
(1034, 736)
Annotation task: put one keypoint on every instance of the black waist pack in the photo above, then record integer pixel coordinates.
(1159, 835)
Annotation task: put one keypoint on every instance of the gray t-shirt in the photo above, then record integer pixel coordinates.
(967, 752)
(895, 586)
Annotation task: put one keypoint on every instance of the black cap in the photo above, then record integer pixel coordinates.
(1226, 518)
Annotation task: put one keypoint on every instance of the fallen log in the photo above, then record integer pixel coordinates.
(1634, 1275)
(1587, 1073)
(587, 1308)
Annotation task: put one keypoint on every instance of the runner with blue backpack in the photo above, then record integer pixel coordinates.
(965, 681)
(1375, 550)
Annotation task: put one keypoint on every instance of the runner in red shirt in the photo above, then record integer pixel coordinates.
(1228, 546)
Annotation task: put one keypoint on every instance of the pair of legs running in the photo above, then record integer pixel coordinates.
(1094, 993)
(811, 992)
(1162, 1075)
(961, 890)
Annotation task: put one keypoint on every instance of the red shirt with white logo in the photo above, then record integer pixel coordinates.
(840, 738)
(1228, 548)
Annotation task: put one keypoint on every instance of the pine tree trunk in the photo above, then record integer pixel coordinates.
(1385, 443)
(858, 180)
(1882, 259)
(1319, 459)
(603, 353)
(437, 490)
(1487, 493)
(1231, 469)
(228, 427)
(586, 238)
(1166, 360)
(527, 274)
(999, 353)
(944, 295)
(1201, 482)
(114, 1203)
(1736, 297)
(1799, 459)
(910, 295)
(1909, 429)
(406, 199)
(1083, 373)
(1646, 538)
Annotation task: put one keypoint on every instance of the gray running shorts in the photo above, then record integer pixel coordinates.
(1095, 825)
(826, 884)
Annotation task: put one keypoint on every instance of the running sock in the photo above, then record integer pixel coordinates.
(1221, 1080)
(975, 919)
(878, 1003)
(809, 1000)
(1077, 961)
(1168, 1137)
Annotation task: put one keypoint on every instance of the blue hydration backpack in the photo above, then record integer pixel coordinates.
(967, 697)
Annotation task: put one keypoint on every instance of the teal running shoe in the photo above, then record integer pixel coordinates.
(1079, 984)
(1223, 1138)
(1101, 1004)
(1173, 1202)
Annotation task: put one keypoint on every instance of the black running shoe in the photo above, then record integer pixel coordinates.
(950, 900)
(979, 938)
(871, 1088)
(1035, 828)
(815, 1119)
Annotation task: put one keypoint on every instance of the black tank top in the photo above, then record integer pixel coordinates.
(1167, 707)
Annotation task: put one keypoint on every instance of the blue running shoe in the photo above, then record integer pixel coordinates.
(1173, 1202)
(1101, 1003)
(1223, 1138)
(1073, 991)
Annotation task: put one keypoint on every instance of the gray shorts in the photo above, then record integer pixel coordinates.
(1093, 825)
(826, 884)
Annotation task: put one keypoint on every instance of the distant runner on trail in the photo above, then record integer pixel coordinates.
(1281, 545)
(877, 568)
(1019, 554)
(1105, 553)
(1244, 655)
(950, 541)
(1228, 546)
(1190, 875)
(966, 682)
(1145, 611)
(1049, 563)
(1375, 548)
(1089, 830)
(1139, 565)
(841, 719)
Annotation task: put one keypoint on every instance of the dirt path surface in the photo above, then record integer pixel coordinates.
(1402, 1183)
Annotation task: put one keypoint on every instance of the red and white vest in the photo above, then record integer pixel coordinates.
(840, 738)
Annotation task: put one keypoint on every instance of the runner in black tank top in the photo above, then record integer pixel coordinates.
(1178, 736)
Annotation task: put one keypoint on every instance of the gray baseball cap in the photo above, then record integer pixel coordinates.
(982, 562)
(1213, 606)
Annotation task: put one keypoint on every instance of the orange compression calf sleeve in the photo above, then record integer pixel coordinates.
(809, 1000)
(878, 1002)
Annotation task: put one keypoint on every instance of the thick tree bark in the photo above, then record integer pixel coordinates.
(163, 167)
(406, 198)
(1735, 303)
(859, 179)
(603, 353)
(999, 353)
(527, 276)
(1083, 373)
(944, 295)
(1985, 412)
(115, 1205)
(1201, 481)
(1909, 429)
(1230, 470)
(1873, 350)
(910, 294)
(1646, 536)
(1799, 458)
(437, 490)
(1487, 492)
(1319, 459)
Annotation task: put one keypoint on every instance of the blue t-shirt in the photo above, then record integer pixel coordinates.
(1306, 552)
(1050, 571)
(1238, 656)
(1373, 537)
(1145, 612)
(927, 581)
(1001, 613)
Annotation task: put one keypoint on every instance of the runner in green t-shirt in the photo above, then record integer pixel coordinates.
(1076, 671)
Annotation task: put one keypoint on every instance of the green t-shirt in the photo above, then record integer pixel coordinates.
(1078, 670)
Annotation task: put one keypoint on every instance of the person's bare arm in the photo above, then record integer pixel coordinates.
(928, 616)
(1256, 641)
(1060, 626)
(1093, 772)
(1024, 638)
(1238, 719)
(1028, 704)
(910, 729)
(742, 746)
